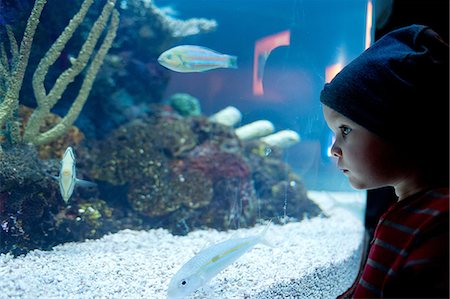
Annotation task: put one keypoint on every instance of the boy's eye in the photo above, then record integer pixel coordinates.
(345, 130)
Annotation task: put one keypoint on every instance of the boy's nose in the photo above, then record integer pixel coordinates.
(336, 151)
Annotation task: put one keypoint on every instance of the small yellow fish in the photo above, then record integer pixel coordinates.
(189, 58)
(67, 178)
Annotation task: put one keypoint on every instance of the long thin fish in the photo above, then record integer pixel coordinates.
(209, 262)
(190, 58)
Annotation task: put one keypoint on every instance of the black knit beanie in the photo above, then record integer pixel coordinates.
(398, 88)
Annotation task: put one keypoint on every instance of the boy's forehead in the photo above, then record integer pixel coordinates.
(336, 118)
(333, 114)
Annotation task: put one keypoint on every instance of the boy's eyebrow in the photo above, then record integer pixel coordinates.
(346, 122)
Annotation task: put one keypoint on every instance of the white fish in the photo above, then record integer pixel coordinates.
(189, 58)
(67, 178)
(209, 262)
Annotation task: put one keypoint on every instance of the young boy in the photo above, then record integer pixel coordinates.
(389, 109)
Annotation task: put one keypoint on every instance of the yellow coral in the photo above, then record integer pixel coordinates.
(46, 101)
(15, 74)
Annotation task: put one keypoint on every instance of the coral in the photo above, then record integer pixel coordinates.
(148, 30)
(56, 148)
(14, 73)
(144, 33)
(32, 213)
(20, 167)
(233, 201)
(179, 168)
(280, 191)
(185, 104)
(84, 220)
(283, 138)
(138, 155)
(163, 170)
(186, 173)
(140, 148)
(193, 26)
(164, 194)
(45, 100)
(229, 116)
(28, 196)
(209, 159)
(254, 130)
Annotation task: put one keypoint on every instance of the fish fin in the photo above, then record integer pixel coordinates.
(232, 62)
(85, 184)
(55, 177)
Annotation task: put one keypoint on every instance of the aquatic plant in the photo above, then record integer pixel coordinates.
(185, 104)
(12, 71)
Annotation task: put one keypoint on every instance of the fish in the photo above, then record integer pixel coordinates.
(67, 178)
(209, 262)
(190, 58)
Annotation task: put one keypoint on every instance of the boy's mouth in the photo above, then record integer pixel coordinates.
(342, 169)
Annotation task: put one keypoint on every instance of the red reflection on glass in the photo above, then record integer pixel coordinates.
(369, 18)
(263, 47)
(332, 71)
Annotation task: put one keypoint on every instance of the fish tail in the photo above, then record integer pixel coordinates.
(232, 62)
(85, 184)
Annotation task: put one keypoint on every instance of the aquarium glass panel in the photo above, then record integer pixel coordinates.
(285, 51)
(166, 127)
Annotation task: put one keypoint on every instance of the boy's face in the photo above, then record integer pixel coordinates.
(367, 160)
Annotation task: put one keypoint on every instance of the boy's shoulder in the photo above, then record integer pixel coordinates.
(432, 201)
(421, 211)
(423, 238)
(439, 193)
(435, 199)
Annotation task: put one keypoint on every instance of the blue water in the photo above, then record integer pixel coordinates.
(155, 166)
(321, 31)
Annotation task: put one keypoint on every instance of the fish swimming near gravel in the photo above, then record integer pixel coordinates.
(190, 58)
(67, 178)
(209, 262)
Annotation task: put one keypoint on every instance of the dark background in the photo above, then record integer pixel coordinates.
(435, 14)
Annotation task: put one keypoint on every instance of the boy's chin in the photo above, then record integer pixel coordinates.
(359, 185)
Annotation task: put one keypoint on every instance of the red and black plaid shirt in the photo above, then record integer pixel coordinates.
(409, 254)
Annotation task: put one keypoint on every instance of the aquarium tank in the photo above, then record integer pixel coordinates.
(175, 149)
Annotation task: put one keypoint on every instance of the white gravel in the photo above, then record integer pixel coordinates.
(315, 258)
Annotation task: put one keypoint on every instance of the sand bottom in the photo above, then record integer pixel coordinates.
(316, 258)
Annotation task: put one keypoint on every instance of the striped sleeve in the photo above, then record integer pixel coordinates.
(425, 271)
(409, 255)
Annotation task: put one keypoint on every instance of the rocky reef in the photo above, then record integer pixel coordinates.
(155, 165)
(144, 32)
(32, 212)
(162, 170)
